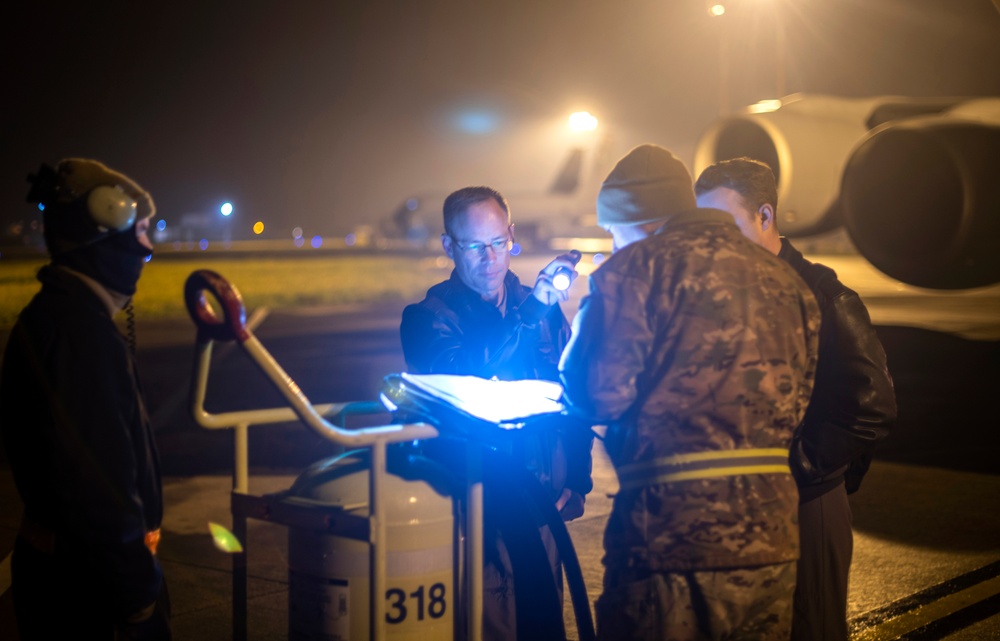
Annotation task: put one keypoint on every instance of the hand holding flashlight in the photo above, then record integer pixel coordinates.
(553, 282)
(563, 277)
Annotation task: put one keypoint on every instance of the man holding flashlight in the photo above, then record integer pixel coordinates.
(483, 322)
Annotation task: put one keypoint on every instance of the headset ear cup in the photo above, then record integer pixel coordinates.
(111, 208)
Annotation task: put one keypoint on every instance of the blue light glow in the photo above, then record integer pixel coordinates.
(477, 122)
(161, 224)
(515, 249)
(350, 240)
(41, 207)
(317, 241)
(203, 244)
(598, 258)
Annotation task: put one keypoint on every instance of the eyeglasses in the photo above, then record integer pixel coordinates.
(500, 246)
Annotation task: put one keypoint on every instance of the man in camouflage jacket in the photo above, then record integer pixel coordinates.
(698, 349)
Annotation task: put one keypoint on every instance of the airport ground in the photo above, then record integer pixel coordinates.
(927, 523)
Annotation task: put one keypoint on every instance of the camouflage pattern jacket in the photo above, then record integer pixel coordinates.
(698, 349)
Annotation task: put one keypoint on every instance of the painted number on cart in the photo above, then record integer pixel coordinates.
(417, 603)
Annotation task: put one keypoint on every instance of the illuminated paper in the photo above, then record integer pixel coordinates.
(491, 400)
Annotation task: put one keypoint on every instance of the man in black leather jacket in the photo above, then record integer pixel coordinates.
(852, 408)
(74, 424)
(483, 322)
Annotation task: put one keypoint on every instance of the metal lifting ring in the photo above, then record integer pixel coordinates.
(232, 326)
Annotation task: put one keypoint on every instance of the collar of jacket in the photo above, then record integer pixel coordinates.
(700, 216)
(788, 253)
(515, 292)
(64, 283)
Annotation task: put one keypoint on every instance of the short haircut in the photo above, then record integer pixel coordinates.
(752, 179)
(459, 201)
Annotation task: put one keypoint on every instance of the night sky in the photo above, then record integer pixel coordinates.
(327, 114)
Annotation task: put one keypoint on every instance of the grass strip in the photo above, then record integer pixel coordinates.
(274, 282)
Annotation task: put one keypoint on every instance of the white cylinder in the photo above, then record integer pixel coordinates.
(329, 576)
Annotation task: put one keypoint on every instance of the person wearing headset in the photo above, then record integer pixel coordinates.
(74, 422)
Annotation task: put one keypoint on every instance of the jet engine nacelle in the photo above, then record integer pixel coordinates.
(921, 197)
(915, 181)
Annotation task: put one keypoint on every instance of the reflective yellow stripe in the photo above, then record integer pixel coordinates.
(696, 457)
(714, 472)
(702, 465)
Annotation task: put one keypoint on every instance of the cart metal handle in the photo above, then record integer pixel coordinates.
(233, 325)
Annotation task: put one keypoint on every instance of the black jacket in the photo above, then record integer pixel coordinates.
(853, 405)
(79, 440)
(454, 331)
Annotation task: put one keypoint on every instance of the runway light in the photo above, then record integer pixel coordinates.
(203, 244)
(226, 209)
(317, 241)
(764, 106)
(258, 228)
(161, 224)
(582, 121)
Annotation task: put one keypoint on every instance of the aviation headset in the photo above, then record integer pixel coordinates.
(108, 206)
(111, 208)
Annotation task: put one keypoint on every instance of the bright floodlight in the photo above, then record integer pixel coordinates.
(582, 121)
(226, 209)
(764, 106)
(717, 9)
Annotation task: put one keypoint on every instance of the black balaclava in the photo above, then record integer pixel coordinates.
(115, 261)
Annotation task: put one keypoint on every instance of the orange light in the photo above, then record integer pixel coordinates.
(258, 228)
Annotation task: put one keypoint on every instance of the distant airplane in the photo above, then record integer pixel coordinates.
(565, 208)
(915, 181)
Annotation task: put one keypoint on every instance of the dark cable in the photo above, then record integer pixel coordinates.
(130, 326)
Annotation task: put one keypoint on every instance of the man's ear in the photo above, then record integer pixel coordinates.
(449, 248)
(766, 212)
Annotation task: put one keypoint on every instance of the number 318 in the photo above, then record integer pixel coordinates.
(435, 603)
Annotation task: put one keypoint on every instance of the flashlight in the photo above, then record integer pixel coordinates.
(563, 277)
